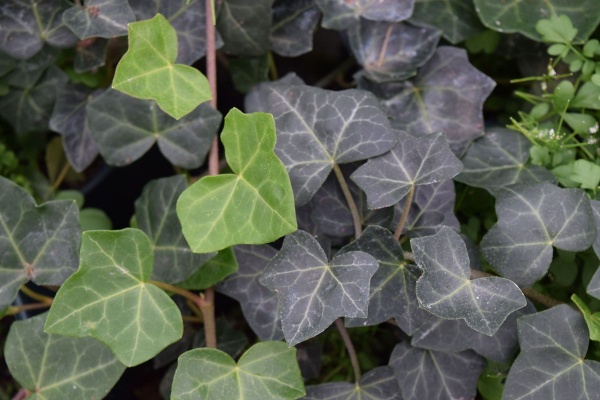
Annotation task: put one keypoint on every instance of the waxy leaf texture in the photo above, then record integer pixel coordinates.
(99, 18)
(294, 22)
(340, 14)
(457, 19)
(245, 26)
(378, 384)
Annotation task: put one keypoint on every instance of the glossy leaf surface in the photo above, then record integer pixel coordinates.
(251, 206)
(340, 14)
(99, 18)
(109, 298)
(340, 287)
(378, 384)
(457, 19)
(148, 69)
(245, 26)
(268, 370)
(294, 22)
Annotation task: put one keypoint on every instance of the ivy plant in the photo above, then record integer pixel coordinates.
(381, 233)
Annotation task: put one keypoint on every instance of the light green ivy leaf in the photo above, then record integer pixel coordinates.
(213, 271)
(591, 319)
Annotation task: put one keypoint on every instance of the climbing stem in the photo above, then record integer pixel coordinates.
(350, 200)
(404, 216)
(194, 298)
(350, 347)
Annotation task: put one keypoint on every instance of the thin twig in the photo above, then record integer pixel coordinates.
(350, 347)
(405, 211)
(332, 76)
(350, 200)
(14, 310)
(60, 178)
(36, 296)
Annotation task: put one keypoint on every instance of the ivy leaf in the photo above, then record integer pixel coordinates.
(340, 287)
(90, 57)
(392, 293)
(99, 18)
(592, 320)
(248, 71)
(596, 211)
(59, 367)
(593, 288)
(258, 98)
(531, 219)
(447, 96)
(340, 14)
(560, 335)
(414, 161)
(28, 24)
(148, 69)
(69, 118)
(251, 206)
(156, 216)
(391, 51)
(379, 383)
(267, 370)
(457, 19)
(294, 22)
(521, 17)
(37, 243)
(245, 27)
(213, 271)
(499, 159)
(318, 128)
(446, 290)
(432, 375)
(125, 128)
(109, 298)
(259, 304)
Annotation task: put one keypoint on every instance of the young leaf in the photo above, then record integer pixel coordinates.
(56, 367)
(377, 384)
(426, 374)
(551, 365)
(109, 298)
(341, 14)
(156, 216)
(99, 18)
(148, 69)
(294, 22)
(245, 27)
(414, 161)
(314, 292)
(391, 51)
(259, 304)
(213, 271)
(556, 29)
(531, 219)
(592, 320)
(446, 290)
(125, 128)
(251, 206)
(587, 174)
(393, 285)
(268, 370)
(499, 159)
(94, 219)
(38, 243)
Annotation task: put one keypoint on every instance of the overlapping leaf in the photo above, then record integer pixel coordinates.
(109, 298)
(593, 288)
(433, 375)
(56, 367)
(125, 128)
(258, 98)
(516, 16)
(251, 206)
(26, 73)
(314, 292)
(90, 57)
(377, 384)
(531, 219)
(551, 365)
(498, 159)
(28, 24)
(245, 26)
(213, 271)
(294, 22)
(318, 128)
(148, 69)
(340, 14)
(70, 120)
(413, 161)
(457, 19)
(393, 285)
(446, 290)
(268, 370)
(447, 96)
(38, 243)
(156, 216)
(596, 210)
(259, 304)
(99, 18)
(391, 51)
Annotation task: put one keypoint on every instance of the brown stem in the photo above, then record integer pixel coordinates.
(190, 318)
(22, 394)
(207, 306)
(349, 200)
(405, 211)
(350, 347)
(177, 290)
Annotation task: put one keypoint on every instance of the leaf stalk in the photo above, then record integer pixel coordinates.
(350, 347)
(350, 200)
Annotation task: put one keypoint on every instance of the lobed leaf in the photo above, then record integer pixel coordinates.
(341, 14)
(377, 384)
(99, 18)
(294, 22)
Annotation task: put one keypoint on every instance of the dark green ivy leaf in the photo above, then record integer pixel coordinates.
(99, 18)
(245, 26)
(294, 22)
(213, 271)
(248, 71)
(377, 384)
(596, 210)
(91, 56)
(340, 14)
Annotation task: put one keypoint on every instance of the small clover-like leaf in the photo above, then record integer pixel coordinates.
(54, 367)
(99, 18)
(340, 14)
(148, 69)
(446, 290)
(378, 384)
(251, 206)
(498, 159)
(313, 292)
(109, 298)
(531, 219)
(432, 375)
(156, 216)
(267, 370)
(414, 161)
(38, 243)
(294, 22)
(550, 364)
